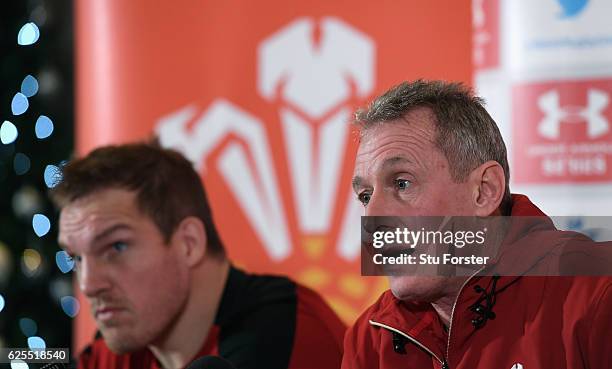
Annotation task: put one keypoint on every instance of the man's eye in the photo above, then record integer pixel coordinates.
(364, 198)
(119, 246)
(402, 184)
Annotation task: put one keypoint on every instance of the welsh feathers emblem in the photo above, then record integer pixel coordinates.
(307, 224)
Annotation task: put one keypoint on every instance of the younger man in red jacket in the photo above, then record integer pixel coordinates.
(136, 221)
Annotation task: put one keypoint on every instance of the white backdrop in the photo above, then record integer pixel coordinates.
(545, 70)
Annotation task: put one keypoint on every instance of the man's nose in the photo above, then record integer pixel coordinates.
(92, 277)
(379, 215)
(373, 214)
(377, 206)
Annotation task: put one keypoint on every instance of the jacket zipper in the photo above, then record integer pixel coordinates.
(450, 324)
(414, 340)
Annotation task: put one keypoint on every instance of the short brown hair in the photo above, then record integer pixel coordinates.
(167, 187)
(465, 132)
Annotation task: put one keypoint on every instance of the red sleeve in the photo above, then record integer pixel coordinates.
(317, 325)
(599, 355)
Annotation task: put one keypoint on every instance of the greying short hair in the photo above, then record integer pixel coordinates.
(465, 132)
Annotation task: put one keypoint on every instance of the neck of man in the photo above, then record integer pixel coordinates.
(189, 332)
(444, 305)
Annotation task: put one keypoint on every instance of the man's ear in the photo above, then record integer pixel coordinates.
(489, 187)
(191, 237)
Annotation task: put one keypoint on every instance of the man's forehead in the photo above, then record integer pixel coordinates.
(79, 226)
(362, 172)
(86, 218)
(391, 147)
(391, 144)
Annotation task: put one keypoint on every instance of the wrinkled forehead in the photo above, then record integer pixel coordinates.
(81, 220)
(413, 138)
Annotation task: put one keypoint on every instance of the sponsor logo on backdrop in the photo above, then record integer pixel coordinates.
(564, 130)
(566, 24)
(571, 8)
(555, 115)
(311, 85)
(542, 35)
(485, 24)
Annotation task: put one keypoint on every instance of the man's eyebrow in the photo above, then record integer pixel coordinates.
(108, 231)
(356, 182)
(395, 160)
(389, 162)
(105, 233)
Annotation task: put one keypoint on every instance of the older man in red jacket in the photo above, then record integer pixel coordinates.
(430, 148)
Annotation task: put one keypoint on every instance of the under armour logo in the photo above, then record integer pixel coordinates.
(597, 124)
(517, 366)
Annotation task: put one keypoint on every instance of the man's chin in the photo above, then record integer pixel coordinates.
(416, 289)
(120, 343)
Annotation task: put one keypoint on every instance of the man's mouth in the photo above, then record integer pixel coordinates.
(105, 314)
(395, 251)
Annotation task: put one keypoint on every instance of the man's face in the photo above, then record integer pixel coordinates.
(134, 282)
(400, 172)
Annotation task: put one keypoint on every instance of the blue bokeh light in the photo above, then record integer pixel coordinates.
(29, 86)
(28, 327)
(43, 127)
(41, 224)
(70, 305)
(20, 104)
(19, 364)
(36, 343)
(21, 164)
(1, 302)
(52, 175)
(28, 34)
(63, 261)
(8, 132)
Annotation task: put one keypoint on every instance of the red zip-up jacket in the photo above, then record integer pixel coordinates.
(540, 322)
